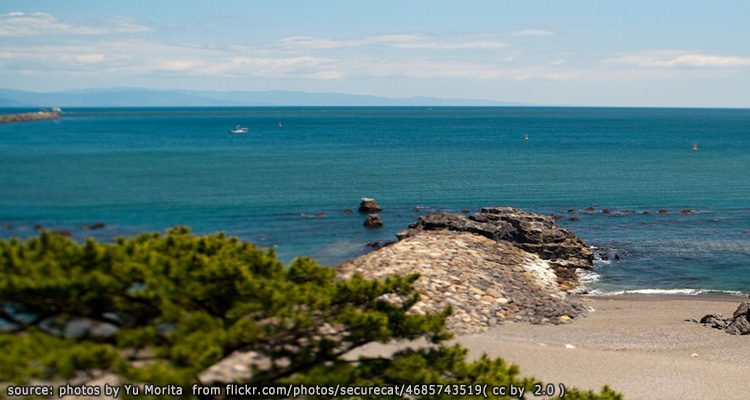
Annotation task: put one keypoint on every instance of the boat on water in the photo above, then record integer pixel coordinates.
(281, 125)
(239, 129)
(526, 137)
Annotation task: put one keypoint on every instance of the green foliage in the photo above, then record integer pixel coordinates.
(162, 308)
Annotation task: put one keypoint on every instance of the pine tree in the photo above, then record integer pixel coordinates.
(161, 308)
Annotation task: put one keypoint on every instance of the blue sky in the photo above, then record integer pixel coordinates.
(625, 53)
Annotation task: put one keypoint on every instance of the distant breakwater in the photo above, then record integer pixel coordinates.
(30, 116)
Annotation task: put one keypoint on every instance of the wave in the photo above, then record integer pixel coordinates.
(685, 292)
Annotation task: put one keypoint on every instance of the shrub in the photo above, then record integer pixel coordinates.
(161, 308)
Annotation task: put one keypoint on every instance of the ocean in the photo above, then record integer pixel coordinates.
(288, 186)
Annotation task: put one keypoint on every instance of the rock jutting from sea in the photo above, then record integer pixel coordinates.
(501, 264)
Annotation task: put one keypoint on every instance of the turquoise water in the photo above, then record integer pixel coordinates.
(148, 169)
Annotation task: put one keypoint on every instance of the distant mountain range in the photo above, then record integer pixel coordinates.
(136, 97)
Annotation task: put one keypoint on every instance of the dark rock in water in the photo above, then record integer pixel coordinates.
(347, 211)
(94, 226)
(738, 324)
(320, 214)
(603, 256)
(663, 211)
(572, 211)
(590, 209)
(369, 205)
(646, 213)
(535, 233)
(605, 210)
(465, 211)
(574, 219)
(688, 211)
(617, 257)
(380, 244)
(373, 221)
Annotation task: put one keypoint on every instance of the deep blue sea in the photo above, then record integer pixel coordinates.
(147, 169)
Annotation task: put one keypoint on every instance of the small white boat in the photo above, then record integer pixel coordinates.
(239, 129)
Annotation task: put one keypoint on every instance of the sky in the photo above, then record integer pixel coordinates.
(666, 53)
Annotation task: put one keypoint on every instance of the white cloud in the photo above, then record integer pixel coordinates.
(676, 59)
(532, 32)
(17, 24)
(402, 41)
(475, 44)
(310, 43)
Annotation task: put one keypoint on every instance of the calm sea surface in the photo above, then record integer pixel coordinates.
(148, 169)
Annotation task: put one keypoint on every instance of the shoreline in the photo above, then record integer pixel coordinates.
(718, 296)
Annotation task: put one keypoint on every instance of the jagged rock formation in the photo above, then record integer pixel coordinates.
(535, 233)
(373, 221)
(738, 324)
(368, 205)
(486, 282)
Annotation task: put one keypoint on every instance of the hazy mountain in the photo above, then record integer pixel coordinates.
(134, 97)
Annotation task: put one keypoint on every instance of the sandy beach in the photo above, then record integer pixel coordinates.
(638, 344)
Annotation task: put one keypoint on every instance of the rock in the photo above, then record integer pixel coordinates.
(688, 211)
(742, 310)
(605, 210)
(572, 211)
(94, 226)
(320, 214)
(590, 209)
(485, 281)
(373, 221)
(573, 219)
(368, 205)
(663, 211)
(380, 244)
(646, 213)
(740, 326)
(714, 321)
(465, 211)
(535, 233)
(347, 211)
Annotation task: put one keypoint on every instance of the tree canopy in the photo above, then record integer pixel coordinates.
(161, 308)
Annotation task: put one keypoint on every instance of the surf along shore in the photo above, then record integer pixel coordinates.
(506, 265)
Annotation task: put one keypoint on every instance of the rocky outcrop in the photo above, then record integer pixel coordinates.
(32, 116)
(535, 233)
(738, 324)
(486, 282)
(373, 221)
(368, 205)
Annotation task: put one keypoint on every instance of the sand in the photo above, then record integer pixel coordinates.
(640, 345)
